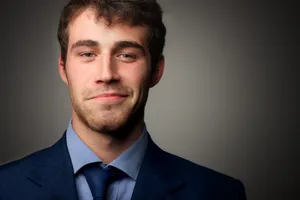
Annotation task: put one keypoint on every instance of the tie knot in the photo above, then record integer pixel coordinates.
(99, 178)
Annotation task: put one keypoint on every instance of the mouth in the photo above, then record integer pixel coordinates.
(109, 97)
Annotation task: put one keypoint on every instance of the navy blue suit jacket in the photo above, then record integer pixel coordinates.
(48, 175)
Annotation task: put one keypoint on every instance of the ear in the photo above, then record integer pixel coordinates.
(62, 70)
(156, 76)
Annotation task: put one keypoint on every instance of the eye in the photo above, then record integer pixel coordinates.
(126, 55)
(88, 54)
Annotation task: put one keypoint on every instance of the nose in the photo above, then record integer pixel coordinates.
(106, 70)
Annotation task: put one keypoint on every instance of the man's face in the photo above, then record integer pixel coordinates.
(107, 71)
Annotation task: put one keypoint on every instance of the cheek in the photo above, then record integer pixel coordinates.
(137, 77)
(76, 78)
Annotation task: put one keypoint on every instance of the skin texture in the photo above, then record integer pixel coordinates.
(108, 73)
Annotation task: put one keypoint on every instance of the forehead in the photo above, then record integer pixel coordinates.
(87, 26)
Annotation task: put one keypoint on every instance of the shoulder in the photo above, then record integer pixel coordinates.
(15, 175)
(190, 169)
(211, 181)
(35, 159)
(21, 165)
(16, 171)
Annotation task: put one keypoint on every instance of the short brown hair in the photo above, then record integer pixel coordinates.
(132, 12)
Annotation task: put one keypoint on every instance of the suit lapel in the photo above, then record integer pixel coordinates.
(53, 173)
(155, 180)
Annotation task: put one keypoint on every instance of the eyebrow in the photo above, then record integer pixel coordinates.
(117, 45)
(129, 44)
(87, 43)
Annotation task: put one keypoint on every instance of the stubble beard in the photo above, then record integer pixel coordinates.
(118, 124)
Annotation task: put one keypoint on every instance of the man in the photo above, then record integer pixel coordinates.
(111, 55)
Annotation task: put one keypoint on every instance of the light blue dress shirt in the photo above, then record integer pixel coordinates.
(129, 162)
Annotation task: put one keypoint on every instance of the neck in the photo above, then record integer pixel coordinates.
(106, 147)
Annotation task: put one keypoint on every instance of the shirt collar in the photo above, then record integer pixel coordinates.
(129, 161)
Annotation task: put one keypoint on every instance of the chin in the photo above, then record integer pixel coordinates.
(106, 125)
(110, 125)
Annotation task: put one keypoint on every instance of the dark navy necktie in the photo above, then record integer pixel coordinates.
(99, 178)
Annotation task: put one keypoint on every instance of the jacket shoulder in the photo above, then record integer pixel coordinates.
(33, 160)
(216, 183)
(14, 179)
(21, 166)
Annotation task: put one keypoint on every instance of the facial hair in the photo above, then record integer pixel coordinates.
(115, 126)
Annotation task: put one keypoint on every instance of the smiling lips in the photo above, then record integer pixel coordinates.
(109, 97)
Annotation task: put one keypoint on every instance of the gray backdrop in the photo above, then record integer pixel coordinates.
(228, 98)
